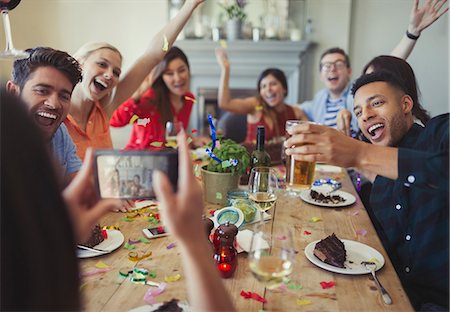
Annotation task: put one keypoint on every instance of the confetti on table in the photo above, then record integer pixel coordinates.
(252, 295)
(323, 295)
(172, 144)
(156, 144)
(315, 219)
(326, 285)
(133, 119)
(303, 302)
(194, 130)
(361, 232)
(281, 237)
(128, 246)
(172, 278)
(170, 246)
(211, 212)
(152, 274)
(149, 297)
(295, 286)
(353, 213)
(144, 240)
(218, 195)
(102, 265)
(165, 46)
(126, 219)
(306, 232)
(134, 256)
(133, 242)
(96, 271)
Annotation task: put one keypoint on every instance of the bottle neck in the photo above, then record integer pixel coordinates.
(260, 140)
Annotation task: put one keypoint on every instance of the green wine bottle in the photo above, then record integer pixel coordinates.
(260, 158)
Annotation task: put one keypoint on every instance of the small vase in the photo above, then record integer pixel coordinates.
(234, 29)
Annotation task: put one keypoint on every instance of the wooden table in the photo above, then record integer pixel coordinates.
(108, 292)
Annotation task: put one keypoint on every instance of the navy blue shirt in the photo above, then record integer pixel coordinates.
(413, 213)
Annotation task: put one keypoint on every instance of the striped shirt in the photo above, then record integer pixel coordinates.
(413, 213)
(333, 107)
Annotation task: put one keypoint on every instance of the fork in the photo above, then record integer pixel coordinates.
(99, 251)
(371, 266)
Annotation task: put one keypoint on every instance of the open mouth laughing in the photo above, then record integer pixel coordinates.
(375, 131)
(100, 85)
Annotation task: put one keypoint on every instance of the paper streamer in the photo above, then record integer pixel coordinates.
(96, 271)
(326, 285)
(151, 293)
(252, 295)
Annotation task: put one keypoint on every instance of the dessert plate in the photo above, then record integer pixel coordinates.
(349, 199)
(149, 308)
(356, 253)
(114, 241)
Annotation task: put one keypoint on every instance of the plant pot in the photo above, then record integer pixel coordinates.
(216, 185)
(234, 29)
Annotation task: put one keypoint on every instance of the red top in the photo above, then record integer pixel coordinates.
(252, 128)
(147, 126)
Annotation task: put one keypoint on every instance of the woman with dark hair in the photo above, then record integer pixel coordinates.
(267, 109)
(168, 99)
(39, 227)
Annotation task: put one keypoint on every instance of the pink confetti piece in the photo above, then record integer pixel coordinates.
(171, 245)
(326, 285)
(353, 213)
(151, 293)
(95, 271)
(281, 237)
(306, 232)
(252, 295)
(361, 232)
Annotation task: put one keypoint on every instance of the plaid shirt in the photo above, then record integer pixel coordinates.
(413, 212)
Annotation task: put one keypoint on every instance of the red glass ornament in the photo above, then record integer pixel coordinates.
(225, 254)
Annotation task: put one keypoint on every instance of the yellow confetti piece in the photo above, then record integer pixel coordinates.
(172, 144)
(111, 227)
(259, 108)
(303, 302)
(315, 219)
(102, 265)
(156, 144)
(134, 256)
(188, 98)
(173, 278)
(133, 119)
(165, 46)
(189, 140)
(223, 44)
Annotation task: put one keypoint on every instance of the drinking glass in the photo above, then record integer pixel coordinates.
(262, 184)
(10, 52)
(299, 173)
(172, 129)
(272, 256)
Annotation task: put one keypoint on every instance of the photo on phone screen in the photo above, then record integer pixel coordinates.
(155, 232)
(128, 174)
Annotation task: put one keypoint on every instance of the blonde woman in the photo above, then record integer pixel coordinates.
(104, 87)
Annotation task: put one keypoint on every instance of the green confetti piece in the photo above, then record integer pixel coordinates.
(156, 144)
(295, 286)
(144, 240)
(152, 274)
(128, 246)
(126, 219)
(189, 140)
(218, 195)
(226, 164)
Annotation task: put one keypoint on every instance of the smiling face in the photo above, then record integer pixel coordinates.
(383, 112)
(177, 77)
(47, 94)
(101, 72)
(334, 73)
(272, 91)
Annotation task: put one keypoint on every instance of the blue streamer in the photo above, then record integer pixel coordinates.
(332, 182)
(213, 132)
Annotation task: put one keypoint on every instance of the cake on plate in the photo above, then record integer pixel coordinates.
(331, 250)
(96, 237)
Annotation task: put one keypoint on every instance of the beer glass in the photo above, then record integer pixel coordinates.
(299, 174)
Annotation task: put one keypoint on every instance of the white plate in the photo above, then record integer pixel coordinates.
(356, 253)
(115, 240)
(349, 199)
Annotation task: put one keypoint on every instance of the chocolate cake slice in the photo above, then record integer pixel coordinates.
(96, 237)
(170, 306)
(331, 250)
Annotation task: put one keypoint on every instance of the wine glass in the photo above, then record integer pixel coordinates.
(262, 185)
(172, 130)
(9, 52)
(272, 256)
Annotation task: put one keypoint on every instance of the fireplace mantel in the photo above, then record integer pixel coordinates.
(247, 59)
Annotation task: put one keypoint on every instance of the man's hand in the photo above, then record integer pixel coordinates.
(343, 122)
(421, 18)
(83, 203)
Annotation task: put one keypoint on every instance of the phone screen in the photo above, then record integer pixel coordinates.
(128, 174)
(155, 232)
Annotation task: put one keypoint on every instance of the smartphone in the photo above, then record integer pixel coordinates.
(128, 174)
(155, 232)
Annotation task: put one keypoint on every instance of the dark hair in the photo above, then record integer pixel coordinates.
(400, 68)
(267, 110)
(44, 56)
(334, 50)
(39, 267)
(379, 76)
(162, 99)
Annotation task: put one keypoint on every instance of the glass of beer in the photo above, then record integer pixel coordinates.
(299, 174)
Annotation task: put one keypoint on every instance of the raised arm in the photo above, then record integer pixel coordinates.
(158, 46)
(240, 106)
(182, 213)
(419, 19)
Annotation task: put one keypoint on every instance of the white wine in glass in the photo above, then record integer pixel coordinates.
(262, 185)
(271, 258)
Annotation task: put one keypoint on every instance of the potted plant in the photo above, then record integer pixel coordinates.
(236, 16)
(222, 175)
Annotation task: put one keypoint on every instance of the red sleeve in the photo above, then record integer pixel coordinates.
(122, 115)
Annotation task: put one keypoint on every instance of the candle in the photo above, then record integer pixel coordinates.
(224, 267)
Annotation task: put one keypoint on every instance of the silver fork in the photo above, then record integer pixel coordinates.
(371, 266)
